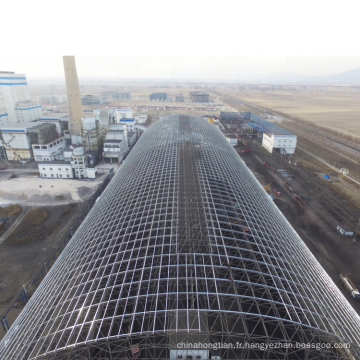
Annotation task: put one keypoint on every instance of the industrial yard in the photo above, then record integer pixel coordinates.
(316, 221)
(315, 206)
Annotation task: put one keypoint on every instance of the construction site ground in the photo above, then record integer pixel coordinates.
(316, 222)
(38, 219)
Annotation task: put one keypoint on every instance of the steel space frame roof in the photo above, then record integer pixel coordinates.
(184, 245)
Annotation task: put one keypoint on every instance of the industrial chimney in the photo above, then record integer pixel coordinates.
(73, 95)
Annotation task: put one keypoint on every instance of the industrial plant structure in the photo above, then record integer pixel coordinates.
(16, 105)
(185, 251)
(179, 98)
(158, 96)
(199, 96)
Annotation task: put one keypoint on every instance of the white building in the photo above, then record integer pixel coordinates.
(130, 124)
(50, 151)
(4, 119)
(115, 144)
(286, 143)
(232, 140)
(73, 166)
(141, 118)
(123, 113)
(56, 170)
(27, 111)
(15, 98)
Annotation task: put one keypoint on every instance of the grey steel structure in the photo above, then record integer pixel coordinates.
(185, 248)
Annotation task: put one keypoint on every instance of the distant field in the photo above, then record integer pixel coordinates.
(339, 111)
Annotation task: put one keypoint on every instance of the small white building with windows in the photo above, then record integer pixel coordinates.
(286, 143)
(56, 170)
(50, 151)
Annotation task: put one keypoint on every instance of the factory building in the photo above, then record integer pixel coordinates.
(123, 113)
(61, 121)
(19, 138)
(225, 115)
(27, 111)
(275, 137)
(131, 136)
(198, 96)
(15, 99)
(161, 96)
(50, 151)
(116, 144)
(4, 118)
(141, 119)
(179, 98)
(107, 116)
(122, 96)
(56, 170)
(130, 123)
(93, 99)
(232, 140)
(75, 166)
(149, 273)
(116, 95)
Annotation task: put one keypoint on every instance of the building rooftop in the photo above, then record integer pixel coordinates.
(269, 126)
(55, 162)
(20, 126)
(112, 141)
(56, 117)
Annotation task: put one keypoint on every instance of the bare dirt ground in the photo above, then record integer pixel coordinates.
(23, 251)
(40, 214)
(316, 222)
(336, 110)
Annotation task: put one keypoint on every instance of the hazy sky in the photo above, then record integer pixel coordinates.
(173, 39)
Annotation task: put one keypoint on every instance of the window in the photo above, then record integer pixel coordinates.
(43, 168)
(67, 169)
(36, 147)
(52, 175)
(50, 168)
(67, 175)
(60, 169)
(179, 357)
(198, 356)
(60, 175)
(45, 175)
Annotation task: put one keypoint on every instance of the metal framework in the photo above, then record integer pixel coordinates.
(184, 247)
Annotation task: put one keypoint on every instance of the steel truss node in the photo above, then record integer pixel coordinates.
(184, 246)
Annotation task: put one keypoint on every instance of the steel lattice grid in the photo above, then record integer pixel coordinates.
(183, 244)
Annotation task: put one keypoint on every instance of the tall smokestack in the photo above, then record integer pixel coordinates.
(73, 95)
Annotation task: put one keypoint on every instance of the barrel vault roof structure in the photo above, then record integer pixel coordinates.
(185, 247)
